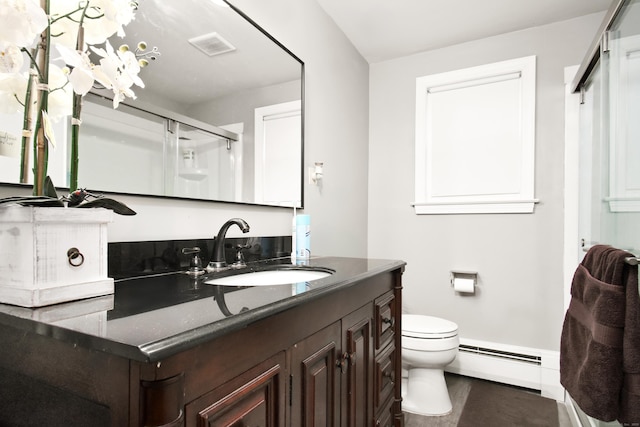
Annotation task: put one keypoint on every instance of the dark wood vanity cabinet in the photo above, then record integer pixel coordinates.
(335, 378)
(331, 361)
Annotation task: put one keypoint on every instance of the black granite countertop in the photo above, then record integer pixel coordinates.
(153, 317)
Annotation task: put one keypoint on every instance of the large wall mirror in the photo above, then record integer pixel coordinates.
(220, 117)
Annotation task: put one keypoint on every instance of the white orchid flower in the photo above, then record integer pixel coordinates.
(81, 77)
(21, 21)
(121, 68)
(13, 88)
(11, 59)
(117, 13)
(110, 23)
(103, 19)
(21, 24)
(131, 66)
(120, 83)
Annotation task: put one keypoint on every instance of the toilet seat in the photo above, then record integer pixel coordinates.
(427, 327)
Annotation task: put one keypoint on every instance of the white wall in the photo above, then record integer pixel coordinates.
(518, 256)
(336, 131)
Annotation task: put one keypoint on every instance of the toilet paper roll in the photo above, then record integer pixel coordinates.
(464, 285)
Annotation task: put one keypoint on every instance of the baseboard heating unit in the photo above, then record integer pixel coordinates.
(531, 368)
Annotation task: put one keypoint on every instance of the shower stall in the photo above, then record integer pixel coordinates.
(607, 87)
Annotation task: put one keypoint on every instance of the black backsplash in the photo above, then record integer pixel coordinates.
(132, 259)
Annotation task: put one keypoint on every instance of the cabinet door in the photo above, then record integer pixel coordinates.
(315, 386)
(357, 408)
(255, 398)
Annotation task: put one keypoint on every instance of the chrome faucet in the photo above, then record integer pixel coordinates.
(218, 261)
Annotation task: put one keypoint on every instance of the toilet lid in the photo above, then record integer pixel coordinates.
(418, 326)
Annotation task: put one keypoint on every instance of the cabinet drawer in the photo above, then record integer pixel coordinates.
(384, 375)
(385, 319)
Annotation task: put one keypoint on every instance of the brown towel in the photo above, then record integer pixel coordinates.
(630, 398)
(600, 342)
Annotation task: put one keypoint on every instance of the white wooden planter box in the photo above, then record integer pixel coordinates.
(53, 255)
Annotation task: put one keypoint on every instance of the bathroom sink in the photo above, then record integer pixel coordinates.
(272, 277)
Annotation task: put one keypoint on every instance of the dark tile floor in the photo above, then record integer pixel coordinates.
(459, 387)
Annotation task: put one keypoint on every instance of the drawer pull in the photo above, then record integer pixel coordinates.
(390, 321)
(76, 259)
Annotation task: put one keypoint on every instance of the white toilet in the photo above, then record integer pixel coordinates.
(428, 345)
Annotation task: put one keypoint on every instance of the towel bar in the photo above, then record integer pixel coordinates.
(632, 260)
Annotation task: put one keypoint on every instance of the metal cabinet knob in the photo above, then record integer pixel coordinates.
(390, 321)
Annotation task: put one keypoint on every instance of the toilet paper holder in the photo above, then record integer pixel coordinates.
(466, 277)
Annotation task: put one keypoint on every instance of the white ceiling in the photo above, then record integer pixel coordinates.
(183, 74)
(385, 29)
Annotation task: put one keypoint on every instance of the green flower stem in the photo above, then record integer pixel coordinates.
(75, 122)
(27, 127)
(75, 135)
(41, 146)
(69, 15)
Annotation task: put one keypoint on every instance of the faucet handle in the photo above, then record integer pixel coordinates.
(239, 263)
(195, 265)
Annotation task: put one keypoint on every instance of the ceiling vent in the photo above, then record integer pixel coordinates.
(212, 44)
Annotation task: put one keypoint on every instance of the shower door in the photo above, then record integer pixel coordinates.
(610, 140)
(200, 164)
(609, 145)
